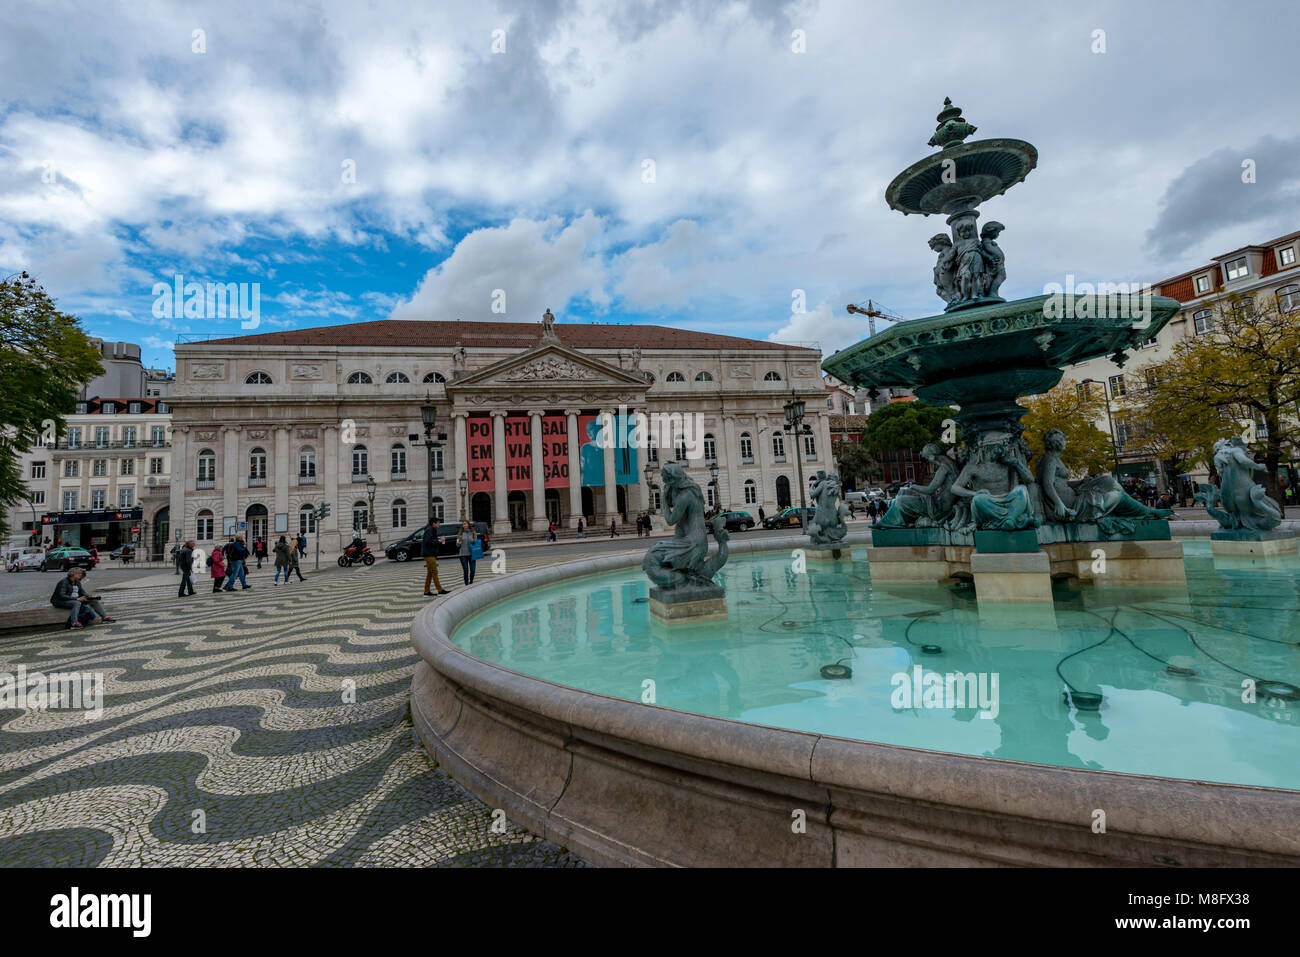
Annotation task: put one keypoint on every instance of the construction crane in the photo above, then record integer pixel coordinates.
(872, 314)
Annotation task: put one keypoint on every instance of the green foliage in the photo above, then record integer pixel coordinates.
(856, 465)
(45, 359)
(905, 425)
(1075, 412)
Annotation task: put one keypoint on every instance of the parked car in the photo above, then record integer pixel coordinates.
(406, 548)
(22, 562)
(124, 554)
(789, 517)
(876, 493)
(737, 521)
(65, 557)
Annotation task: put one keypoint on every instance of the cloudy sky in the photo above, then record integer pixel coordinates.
(691, 164)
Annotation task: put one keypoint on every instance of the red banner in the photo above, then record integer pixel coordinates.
(478, 448)
(519, 454)
(555, 450)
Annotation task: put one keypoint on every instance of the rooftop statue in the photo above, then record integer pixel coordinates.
(925, 506)
(683, 562)
(1246, 504)
(995, 482)
(827, 525)
(1098, 499)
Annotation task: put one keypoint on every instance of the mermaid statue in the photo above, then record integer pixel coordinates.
(995, 483)
(827, 525)
(684, 561)
(925, 506)
(1246, 504)
(1096, 499)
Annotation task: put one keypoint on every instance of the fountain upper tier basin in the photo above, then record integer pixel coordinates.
(1017, 347)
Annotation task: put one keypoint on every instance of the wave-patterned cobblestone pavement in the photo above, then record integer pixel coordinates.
(259, 728)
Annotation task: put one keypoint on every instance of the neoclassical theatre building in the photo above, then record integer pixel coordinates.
(266, 426)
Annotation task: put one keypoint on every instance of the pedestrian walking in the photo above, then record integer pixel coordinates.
(259, 549)
(429, 542)
(282, 553)
(469, 550)
(238, 557)
(70, 595)
(582, 532)
(294, 566)
(217, 564)
(176, 560)
(613, 527)
(185, 561)
(761, 514)
(302, 544)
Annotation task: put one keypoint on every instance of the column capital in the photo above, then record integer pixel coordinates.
(573, 412)
(500, 413)
(537, 412)
(460, 414)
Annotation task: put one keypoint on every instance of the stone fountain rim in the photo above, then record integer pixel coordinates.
(1252, 817)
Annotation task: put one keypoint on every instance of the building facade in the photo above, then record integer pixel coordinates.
(266, 427)
(1258, 273)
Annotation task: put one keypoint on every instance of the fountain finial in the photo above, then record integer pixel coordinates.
(952, 128)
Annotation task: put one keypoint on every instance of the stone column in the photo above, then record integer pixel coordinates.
(329, 476)
(460, 464)
(575, 469)
(611, 482)
(230, 477)
(280, 475)
(729, 466)
(500, 507)
(540, 521)
(179, 482)
(763, 452)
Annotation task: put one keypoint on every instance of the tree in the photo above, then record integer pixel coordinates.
(856, 464)
(1161, 429)
(1074, 409)
(1241, 375)
(45, 359)
(905, 425)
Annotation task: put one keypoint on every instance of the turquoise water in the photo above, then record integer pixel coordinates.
(1232, 623)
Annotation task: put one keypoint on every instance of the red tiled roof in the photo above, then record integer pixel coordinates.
(401, 333)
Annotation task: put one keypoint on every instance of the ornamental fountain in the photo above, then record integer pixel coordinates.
(986, 515)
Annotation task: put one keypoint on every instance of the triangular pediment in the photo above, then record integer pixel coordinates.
(548, 363)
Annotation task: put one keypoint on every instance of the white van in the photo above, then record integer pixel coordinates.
(26, 556)
(857, 498)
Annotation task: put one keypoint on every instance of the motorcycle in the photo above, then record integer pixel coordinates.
(354, 554)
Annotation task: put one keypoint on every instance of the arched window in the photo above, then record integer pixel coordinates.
(306, 520)
(704, 377)
(399, 513)
(710, 449)
(1288, 298)
(256, 517)
(257, 467)
(360, 378)
(396, 378)
(398, 462)
(778, 446)
(1203, 321)
(751, 492)
(437, 504)
(772, 376)
(207, 473)
(435, 377)
(675, 377)
(307, 465)
(257, 378)
(360, 517)
(746, 448)
(203, 525)
(360, 463)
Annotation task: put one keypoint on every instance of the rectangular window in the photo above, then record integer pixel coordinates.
(435, 462)
(1287, 256)
(128, 437)
(125, 497)
(99, 467)
(1117, 385)
(71, 468)
(98, 498)
(38, 470)
(751, 493)
(711, 499)
(74, 437)
(101, 437)
(778, 447)
(155, 466)
(128, 466)
(158, 435)
(134, 407)
(810, 447)
(38, 497)
(1203, 321)
(746, 450)
(1202, 284)
(163, 408)
(203, 528)
(1237, 269)
(69, 501)
(107, 408)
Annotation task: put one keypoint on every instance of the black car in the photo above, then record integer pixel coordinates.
(790, 517)
(409, 547)
(736, 521)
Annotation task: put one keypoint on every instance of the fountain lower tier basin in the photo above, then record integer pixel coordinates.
(1002, 351)
(553, 695)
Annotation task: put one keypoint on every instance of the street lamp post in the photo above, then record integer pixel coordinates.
(370, 496)
(794, 410)
(1114, 447)
(463, 482)
(713, 480)
(650, 469)
(429, 417)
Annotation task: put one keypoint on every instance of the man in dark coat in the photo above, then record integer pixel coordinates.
(185, 562)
